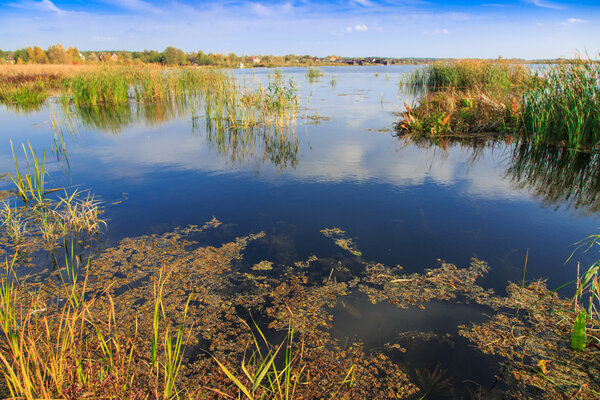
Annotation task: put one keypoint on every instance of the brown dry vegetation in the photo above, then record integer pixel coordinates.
(30, 72)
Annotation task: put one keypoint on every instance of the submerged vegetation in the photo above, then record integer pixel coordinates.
(194, 335)
(558, 104)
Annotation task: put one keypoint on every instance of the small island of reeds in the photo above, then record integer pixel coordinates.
(556, 104)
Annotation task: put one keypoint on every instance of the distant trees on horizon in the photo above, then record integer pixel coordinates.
(173, 56)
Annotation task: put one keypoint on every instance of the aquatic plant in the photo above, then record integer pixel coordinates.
(561, 105)
(30, 185)
(467, 75)
(314, 73)
(448, 112)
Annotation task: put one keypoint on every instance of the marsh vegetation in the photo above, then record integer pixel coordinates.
(555, 105)
(251, 307)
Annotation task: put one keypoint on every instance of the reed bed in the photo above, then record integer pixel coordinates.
(228, 106)
(77, 350)
(468, 74)
(558, 105)
(27, 86)
(563, 105)
(450, 111)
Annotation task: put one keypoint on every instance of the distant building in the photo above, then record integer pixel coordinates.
(114, 57)
(255, 60)
(11, 58)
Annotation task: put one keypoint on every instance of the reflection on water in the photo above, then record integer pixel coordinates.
(274, 144)
(560, 177)
(114, 118)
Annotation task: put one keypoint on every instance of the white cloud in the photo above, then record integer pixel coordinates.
(573, 21)
(357, 28)
(443, 31)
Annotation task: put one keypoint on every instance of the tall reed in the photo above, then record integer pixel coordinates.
(563, 105)
(77, 350)
(467, 74)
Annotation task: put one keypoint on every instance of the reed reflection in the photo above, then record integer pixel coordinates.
(559, 177)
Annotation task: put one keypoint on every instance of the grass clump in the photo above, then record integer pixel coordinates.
(314, 73)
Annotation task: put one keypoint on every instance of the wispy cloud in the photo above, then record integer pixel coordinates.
(135, 5)
(546, 4)
(102, 38)
(573, 21)
(364, 3)
(43, 5)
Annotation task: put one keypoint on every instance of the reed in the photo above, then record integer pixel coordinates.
(41, 216)
(562, 105)
(26, 87)
(451, 112)
(467, 74)
(228, 106)
(13, 221)
(558, 105)
(78, 351)
(314, 73)
(30, 185)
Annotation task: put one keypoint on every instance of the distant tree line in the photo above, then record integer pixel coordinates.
(57, 54)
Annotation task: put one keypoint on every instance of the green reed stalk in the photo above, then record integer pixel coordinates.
(30, 187)
(562, 105)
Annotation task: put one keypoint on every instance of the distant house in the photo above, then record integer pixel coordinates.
(255, 60)
(114, 57)
(11, 58)
(241, 65)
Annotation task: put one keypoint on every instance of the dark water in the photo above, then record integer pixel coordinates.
(402, 203)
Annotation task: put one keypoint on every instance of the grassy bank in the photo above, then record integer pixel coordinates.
(556, 105)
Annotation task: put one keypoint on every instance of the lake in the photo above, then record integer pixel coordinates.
(408, 203)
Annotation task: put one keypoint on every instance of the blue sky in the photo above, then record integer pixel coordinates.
(412, 28)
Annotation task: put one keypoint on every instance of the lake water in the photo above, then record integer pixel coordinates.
(403, 203)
